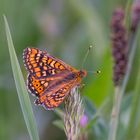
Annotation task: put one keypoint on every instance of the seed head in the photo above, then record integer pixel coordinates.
(135, 15)
(119, 45)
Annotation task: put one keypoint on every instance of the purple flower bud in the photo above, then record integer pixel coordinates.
(135, 15)
(119, 45)
(83, 120)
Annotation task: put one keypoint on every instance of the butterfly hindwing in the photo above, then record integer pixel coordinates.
(54, 99)
(36, 86)
(50, 91)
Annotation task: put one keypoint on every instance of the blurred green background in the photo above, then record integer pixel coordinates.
(65, 29)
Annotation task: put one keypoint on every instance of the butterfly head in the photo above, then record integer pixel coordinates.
(82, 73)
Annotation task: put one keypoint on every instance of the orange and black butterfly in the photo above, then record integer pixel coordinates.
(49, 78)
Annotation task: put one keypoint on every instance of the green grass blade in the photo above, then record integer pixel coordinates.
(134, 114)
(21, 88)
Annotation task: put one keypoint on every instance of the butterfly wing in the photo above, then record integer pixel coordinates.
(55, 97)
(41, 64)
(37, 86)
(48, 77)
(50, 92)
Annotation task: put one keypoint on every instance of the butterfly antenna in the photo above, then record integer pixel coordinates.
(94, 72)
(86, 55)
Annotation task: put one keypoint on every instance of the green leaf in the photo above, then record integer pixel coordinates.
(59, 124)
(97, 114)
(97, 90)
(21, 88)
(59, 112)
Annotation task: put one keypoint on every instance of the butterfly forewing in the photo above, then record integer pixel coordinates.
(41, 64)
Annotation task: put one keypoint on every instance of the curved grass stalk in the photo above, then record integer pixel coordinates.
(21, 88)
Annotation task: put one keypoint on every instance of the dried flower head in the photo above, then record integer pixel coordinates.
(135, 15)
(73, 113)
(119, 45)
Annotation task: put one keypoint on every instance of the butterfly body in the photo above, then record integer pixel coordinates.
(49, 78)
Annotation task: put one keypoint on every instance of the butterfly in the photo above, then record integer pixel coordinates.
(49, 78)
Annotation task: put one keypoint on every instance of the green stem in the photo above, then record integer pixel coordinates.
(137, 137)
(115, 114)
(137, 90)
(127, 14)
(135, 102)
(134, 113)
